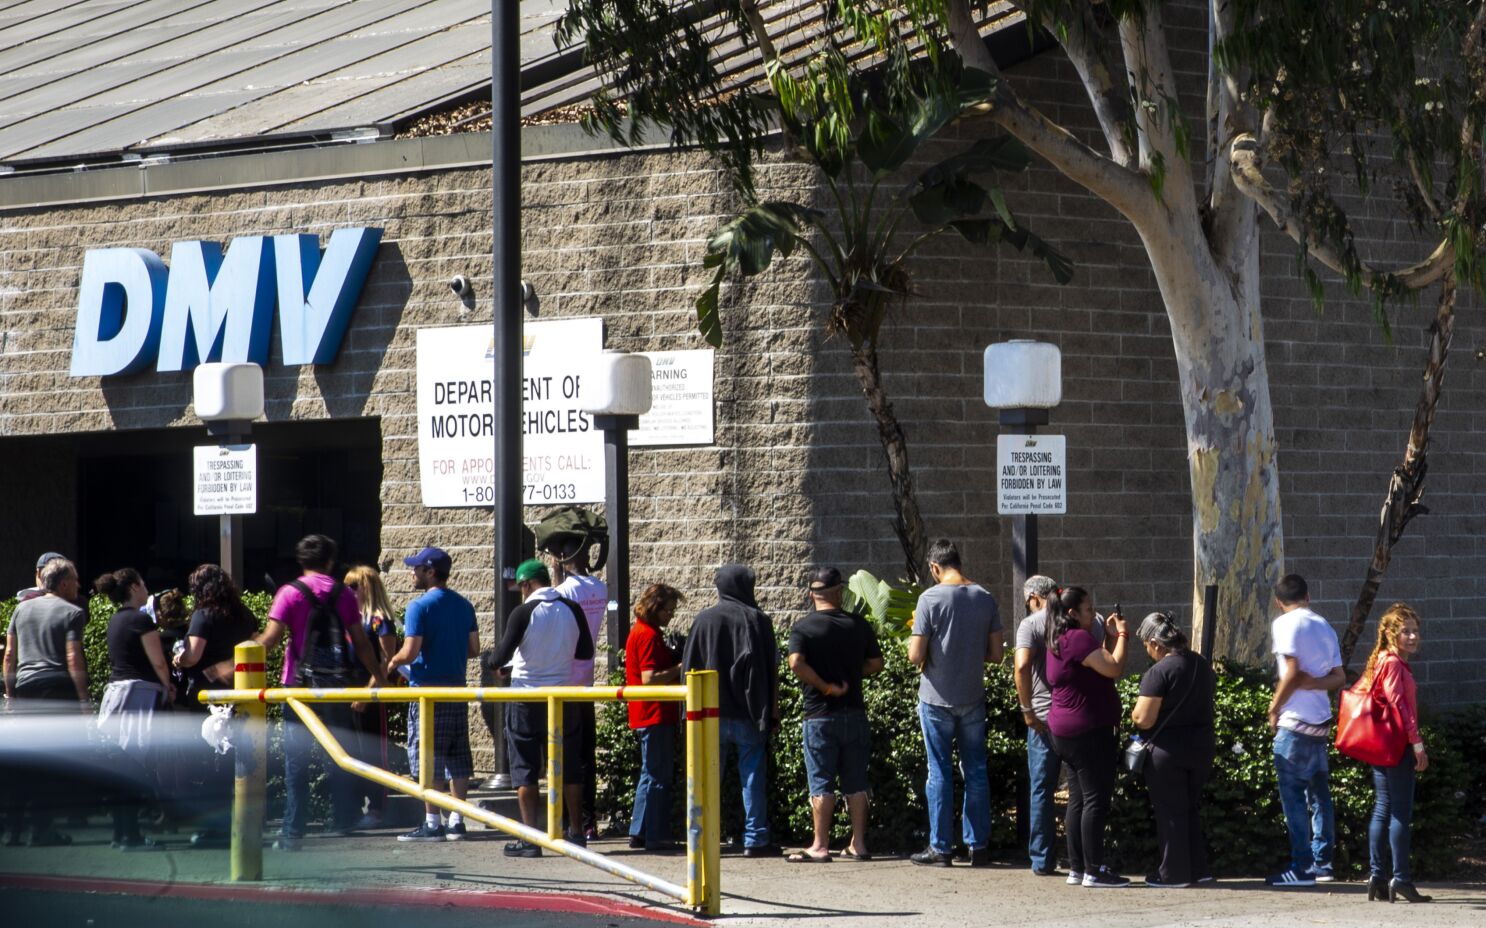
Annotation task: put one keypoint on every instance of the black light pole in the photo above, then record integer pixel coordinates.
(505, 164)
(1023, 525)
(616, 509)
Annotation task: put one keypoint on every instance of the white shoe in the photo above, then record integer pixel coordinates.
(1075, 878)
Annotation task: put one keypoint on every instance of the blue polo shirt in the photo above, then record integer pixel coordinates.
(444, 620)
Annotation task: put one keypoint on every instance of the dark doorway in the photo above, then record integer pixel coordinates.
(134, 505)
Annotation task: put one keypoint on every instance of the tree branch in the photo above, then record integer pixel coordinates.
(1158, 117)
(1248, 177)
(1123, 188)
(1231, 214)
(1084, 46)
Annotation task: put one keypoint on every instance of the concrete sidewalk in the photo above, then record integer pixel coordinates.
(889, 892)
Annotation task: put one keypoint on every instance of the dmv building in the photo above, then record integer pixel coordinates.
(325, 251)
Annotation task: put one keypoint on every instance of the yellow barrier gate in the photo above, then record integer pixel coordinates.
(703, 890)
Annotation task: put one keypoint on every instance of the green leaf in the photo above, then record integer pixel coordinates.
(956, 197)
(978, 231)
(708, 321)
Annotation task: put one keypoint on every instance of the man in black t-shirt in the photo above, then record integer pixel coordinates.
(830, 650)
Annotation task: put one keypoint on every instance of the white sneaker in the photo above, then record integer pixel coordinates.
(1104, 878)
(1075, 878)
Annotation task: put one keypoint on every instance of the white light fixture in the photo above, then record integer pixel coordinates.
(619, 385)
(1023, 374)
(228, 392)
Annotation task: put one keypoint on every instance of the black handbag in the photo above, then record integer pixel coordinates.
(1137, 754)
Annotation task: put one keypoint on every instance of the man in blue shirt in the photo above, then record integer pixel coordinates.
(441, 636)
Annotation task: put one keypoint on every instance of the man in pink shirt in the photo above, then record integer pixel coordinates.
(290, 615)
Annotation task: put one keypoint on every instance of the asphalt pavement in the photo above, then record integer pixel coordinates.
(334, 877)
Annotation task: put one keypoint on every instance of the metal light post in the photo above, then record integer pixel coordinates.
(1023, 379)
(228, 397)
(620, 394)
(505, 164)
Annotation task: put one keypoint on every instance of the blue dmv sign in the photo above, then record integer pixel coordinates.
(210, 306)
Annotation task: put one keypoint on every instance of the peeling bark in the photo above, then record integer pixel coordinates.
(908, 523)
(1237, 540)
(1405, 493)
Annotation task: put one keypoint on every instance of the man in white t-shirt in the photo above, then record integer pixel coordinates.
(1309, 664)
(592, 595)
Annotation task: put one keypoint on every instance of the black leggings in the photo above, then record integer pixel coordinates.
(1176, 791)
(1091, 763)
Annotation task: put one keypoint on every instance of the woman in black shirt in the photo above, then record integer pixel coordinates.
(218, 625)
(1176, 709)
(138, 684)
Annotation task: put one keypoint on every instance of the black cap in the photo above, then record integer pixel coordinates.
(826, 578)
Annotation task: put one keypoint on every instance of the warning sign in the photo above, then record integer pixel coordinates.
(226, 480)
(1031, 475)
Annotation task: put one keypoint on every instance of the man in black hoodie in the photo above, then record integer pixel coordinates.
(736, 639)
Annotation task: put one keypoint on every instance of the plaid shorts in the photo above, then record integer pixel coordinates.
(451, 741)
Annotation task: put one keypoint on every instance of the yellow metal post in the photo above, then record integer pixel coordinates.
(696, 792)
(712, 800)
(425, 743)
(248, 791)
(554, 767)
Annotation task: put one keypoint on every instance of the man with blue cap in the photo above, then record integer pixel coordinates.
(440, 637)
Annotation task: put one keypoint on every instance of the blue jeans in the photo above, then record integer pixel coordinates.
(753, 760)
(1392, 817)
(1305, 794)
(651, 818)
(299, 745)
(1043, 767)
(945, 728)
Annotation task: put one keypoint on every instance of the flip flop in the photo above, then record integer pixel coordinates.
(848, 852)
(804, 858)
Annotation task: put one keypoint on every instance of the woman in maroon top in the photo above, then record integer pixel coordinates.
(1393, 812)
(648, 661)
(1082, 720)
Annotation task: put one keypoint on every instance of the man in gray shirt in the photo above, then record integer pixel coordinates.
(956, 632)
(1043, 765)
(44, 643)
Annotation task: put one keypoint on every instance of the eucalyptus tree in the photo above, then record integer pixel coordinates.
(860, 129)
(1303, 103)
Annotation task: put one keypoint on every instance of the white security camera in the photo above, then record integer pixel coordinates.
(460, 285)
(529, 298)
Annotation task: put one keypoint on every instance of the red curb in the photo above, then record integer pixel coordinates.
(568, 903)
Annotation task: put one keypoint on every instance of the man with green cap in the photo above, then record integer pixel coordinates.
(543, 636)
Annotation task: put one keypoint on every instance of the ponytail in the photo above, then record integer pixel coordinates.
(1061, 605)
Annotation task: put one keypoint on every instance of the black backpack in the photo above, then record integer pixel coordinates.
(325, 660)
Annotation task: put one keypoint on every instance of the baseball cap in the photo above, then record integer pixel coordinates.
(826, 578)
(437, 558)
(532, 569)
(48, 557)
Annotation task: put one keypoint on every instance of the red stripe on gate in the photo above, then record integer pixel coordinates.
(696, 715)
(248, 668)
(619, 695)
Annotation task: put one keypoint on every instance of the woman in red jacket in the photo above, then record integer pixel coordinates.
(648, 661)
(1393, 813)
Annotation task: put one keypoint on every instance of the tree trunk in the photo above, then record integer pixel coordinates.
(1406, 486)
(907, 522)
(1237, 536)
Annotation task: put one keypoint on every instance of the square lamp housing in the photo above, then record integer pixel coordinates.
(1023, 374)
(619, 385)
(228, 392)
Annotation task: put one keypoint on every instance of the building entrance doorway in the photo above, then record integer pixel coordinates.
(134, 500)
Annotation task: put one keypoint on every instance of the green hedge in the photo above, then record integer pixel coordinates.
(1242, 816)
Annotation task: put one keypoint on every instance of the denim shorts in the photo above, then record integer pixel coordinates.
(837, 745)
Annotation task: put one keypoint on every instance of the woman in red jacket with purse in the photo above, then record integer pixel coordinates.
(1393, 812)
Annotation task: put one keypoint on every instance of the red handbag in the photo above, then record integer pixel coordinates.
(1369, 729)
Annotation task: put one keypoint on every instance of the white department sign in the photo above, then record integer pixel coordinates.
(1031, 475)
(225, 482)
(562, 453)
(681, 411)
